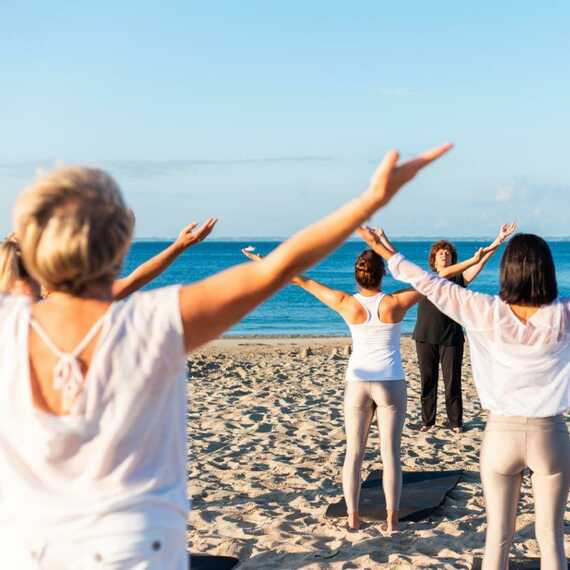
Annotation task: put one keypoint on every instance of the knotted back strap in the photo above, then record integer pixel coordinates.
(67, 375)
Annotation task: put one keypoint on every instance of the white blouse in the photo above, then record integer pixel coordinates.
(519, 369)
(119, 464)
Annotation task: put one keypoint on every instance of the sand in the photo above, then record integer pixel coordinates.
(266, 450)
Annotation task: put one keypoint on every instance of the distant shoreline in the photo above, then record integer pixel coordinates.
(468, 239)
(292, 337)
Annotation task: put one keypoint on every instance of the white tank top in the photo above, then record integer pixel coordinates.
(375, 346)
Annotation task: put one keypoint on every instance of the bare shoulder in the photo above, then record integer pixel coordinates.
(389, 301)
(389, 309)
(353, 312)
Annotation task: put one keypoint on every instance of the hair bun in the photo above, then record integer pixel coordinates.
(363, 265)
(369, 269)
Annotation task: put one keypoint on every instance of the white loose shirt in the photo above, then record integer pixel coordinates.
(519, 369)
(121, 464)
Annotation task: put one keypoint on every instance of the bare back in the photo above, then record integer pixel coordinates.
(66, 324)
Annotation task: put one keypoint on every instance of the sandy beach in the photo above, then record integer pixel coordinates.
(266, 443)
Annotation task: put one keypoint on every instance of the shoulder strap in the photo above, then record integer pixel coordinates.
(79, 348)
(371, 304)
(67, 374)
(362, 302)
(377, 307)
(46, 339)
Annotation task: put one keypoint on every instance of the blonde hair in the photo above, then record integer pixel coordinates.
(74, 229)
(11, 265)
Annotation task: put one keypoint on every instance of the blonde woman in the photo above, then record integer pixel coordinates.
(93, 392)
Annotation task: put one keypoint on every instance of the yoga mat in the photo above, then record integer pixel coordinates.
(423, 491)
(514, 564)
(207, 562)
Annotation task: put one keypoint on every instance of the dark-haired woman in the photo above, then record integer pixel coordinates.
(374, 377)
(439, 339)
(520, 353)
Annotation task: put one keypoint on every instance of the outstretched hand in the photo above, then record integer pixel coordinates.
(506, 231)
(251, 255)
(373, 238)
(370, 235)
(478, 255)
(190, 235)
(390, 176)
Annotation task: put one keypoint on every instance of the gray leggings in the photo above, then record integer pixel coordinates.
(390, 398)
(510, 445)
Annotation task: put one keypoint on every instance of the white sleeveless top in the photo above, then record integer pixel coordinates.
(375, 346)
(118, 460)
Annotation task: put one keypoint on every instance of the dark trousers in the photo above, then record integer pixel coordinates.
(451, 358)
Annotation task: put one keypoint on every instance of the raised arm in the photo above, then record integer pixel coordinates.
(381, 234)
(473, 310)
(338, 301)
(376, 241)
(505, 231)
(398, 303)
(211, 306)
(152, 268)
(463, 266)
(406, 299)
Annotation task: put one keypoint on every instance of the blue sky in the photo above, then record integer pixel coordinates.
(270, 114)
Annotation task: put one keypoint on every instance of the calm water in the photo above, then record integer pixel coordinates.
(292, 310)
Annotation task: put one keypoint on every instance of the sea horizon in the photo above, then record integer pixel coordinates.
(264, 239)
(294, 312)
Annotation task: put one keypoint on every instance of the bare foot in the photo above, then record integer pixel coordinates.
(392, 524)
(353, 521)
(425, 428)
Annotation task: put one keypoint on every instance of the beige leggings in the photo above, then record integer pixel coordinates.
(390, 398)
(510, 445)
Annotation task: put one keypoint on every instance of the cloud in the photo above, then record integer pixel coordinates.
(504, 193)
(532, 193)
(535, 206)
(154, 168)
(27, 171)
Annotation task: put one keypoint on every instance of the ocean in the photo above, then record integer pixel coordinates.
(292, 311)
